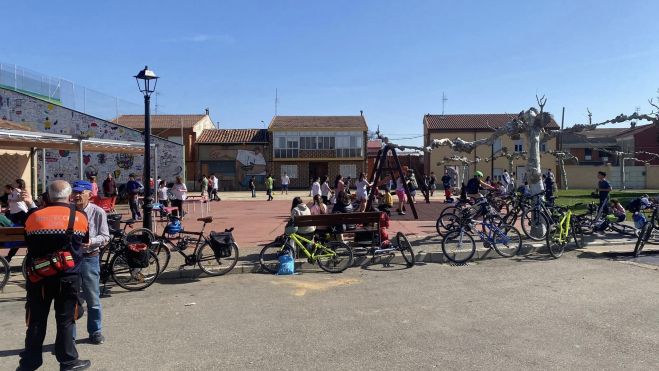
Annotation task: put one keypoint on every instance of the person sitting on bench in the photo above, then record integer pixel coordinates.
(300, 208)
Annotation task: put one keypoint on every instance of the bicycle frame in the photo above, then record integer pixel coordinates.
(300, 241)
(491, 230)
(564, 227)
(199, 242)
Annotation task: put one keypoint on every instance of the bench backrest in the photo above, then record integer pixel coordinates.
(12, 234)
(327, 220)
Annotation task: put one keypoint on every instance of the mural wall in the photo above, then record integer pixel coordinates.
(60, 164)
(234, 165)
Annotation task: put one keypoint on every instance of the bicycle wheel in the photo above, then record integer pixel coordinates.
(554, 245)
(163, 252)
(577, 235)
(405, 249)
(4, 272)
(447, 220)
(458, 246)
(335, 257)
(535, 228)
(507, 241)
(215, 265)
(623, 229)
(134, 279)
(643, 236)
(269, 256)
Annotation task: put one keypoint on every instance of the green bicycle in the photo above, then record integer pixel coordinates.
(562, 230)
(331, 256)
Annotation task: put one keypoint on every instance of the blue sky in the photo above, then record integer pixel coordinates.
(392, 59)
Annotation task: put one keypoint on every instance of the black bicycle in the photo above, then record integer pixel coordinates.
(129, 269)
(649, 232)
(215, 254)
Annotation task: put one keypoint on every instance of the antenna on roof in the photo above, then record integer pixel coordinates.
(637, 111)
(276, 100)
(157, 105)
(263, 123)
(444, 99)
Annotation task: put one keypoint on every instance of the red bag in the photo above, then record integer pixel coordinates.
(63, 260)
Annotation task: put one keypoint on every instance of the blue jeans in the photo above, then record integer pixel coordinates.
(90, 272)
(253, 195)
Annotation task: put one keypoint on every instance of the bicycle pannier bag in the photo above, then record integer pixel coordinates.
(221, 244)
(137, 255)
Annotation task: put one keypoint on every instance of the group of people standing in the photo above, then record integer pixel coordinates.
(65, 221)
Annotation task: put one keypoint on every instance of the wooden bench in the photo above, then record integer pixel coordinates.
(12, 234)
(367, 224)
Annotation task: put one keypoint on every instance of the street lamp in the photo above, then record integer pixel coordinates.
(146, 82)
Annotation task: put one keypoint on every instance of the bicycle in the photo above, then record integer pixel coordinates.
(648, 233)
(331, 256)
(402, 245)
(449, 217)
(212, 259)
(563, 229)
(537, 220)
(459, 246)
(116, 264)
(5, 272)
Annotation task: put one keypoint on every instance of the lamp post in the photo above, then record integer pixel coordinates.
(146, 81)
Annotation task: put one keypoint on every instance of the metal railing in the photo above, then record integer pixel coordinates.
(64, 93)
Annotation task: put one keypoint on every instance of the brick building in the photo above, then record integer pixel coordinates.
(184, 129)
(308, 146)
(234, 155)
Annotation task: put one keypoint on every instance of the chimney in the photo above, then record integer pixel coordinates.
(361, 113)
(207, 111)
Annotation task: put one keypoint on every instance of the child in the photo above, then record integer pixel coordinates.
(617, 210)
(318, 207)
(387, 202)
(163, 197)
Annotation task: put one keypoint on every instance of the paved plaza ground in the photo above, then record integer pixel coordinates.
(581, 312)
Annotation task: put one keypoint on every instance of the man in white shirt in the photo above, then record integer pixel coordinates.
(505, 180)
(285, 180)
(90, 269)
(215, 187)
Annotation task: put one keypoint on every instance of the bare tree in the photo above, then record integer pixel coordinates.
(464, 161)
(623, 157)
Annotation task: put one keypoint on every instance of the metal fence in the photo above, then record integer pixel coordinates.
(65, 93)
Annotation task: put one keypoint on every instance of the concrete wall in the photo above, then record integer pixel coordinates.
(47, 117)
(246, 160)
(637, 177)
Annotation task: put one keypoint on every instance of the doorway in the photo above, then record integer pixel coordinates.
(317, 169)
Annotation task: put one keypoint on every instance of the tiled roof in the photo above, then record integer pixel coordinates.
(634, 130)
(222, 136)
(596, 136)
(472, 121)
(318, 122)
(159, 121)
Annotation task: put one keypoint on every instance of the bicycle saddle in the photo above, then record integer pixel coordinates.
(208, 219)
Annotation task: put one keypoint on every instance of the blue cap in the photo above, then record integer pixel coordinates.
(81, 185)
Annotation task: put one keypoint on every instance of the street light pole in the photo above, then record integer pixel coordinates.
(147, 76)
(148, 199)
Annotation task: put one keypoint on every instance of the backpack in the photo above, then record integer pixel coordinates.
(473, 186)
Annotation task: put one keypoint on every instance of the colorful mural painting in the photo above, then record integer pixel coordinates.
(47, 117)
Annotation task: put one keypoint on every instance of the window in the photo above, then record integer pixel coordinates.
(497, 174)
(588, 154)
(604, 156)
(291, 170)
(496, 146)
(543, 147)
(348, 171)
(519, 146)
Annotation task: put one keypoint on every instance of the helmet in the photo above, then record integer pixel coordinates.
(478, 173)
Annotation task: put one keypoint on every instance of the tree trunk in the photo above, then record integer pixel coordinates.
(623, 186)
(533, 169)
(561, 168)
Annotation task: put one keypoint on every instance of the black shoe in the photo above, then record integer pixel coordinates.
(81, 364)
(97, 338)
